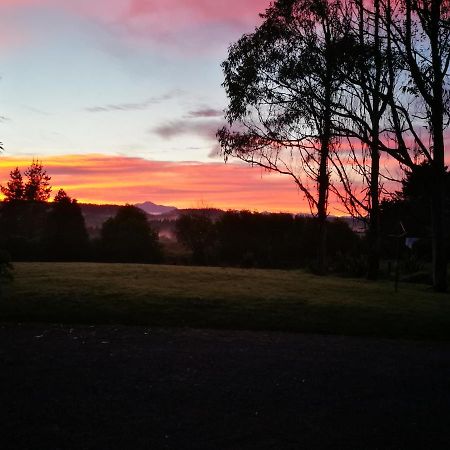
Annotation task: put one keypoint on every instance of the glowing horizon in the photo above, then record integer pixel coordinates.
(103, 179)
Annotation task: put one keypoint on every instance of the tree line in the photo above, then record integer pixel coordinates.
(249, 239)
(34, 229)
(275, 240)
(328, 91)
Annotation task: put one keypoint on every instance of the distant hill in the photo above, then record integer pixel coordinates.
(163, 217)
(154, 209)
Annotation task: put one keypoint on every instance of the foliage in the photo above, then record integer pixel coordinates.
(281, 82)
(37, 187)
(373, 73)
(257, 240)
(14, 189)
(23, 213)
(411, 207)
(349, 265)
(196, 231)
(248, 239)
(64, 236)
(6, 268)
(128, 237)
(22, 225)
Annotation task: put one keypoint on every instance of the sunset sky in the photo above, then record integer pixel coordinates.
(121, 99)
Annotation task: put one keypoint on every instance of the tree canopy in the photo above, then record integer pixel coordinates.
(36, 187)
(65, 237)
(128, 237)
(316, 75)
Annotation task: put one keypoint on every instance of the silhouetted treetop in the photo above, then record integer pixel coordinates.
(62, 197)
(14, 189)
(37, 186)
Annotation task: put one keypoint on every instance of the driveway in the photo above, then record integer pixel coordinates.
(115, 387)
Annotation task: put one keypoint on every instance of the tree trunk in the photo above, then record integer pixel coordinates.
(323, 184)
(374, 222)
(438, 194)
(438, 228)
(323, 179)
(438, 182)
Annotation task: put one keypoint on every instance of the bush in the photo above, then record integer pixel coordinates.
(128, 237)
(349, 265)
(6, 268)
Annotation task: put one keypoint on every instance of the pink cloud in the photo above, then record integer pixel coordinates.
(194, 25)
(117, 179)
(198, 11)
(170, 13)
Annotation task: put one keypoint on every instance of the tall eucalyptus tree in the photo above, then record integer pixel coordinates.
(281, 82)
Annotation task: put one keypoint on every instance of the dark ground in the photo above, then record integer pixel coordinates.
(108, 387)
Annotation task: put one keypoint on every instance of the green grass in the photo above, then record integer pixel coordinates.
(222, 298)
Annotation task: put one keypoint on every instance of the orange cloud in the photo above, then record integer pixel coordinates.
(117, 179)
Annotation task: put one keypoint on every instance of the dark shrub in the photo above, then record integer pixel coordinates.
(128, 237)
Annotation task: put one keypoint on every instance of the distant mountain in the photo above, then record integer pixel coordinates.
(154, 209)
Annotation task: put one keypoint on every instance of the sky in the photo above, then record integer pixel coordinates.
(121, 100)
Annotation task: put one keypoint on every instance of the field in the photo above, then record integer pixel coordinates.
(221, 298)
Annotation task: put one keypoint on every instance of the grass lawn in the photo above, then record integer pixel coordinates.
(208, 297)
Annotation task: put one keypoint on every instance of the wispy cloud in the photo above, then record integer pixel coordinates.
(136, 106)
(196, 11)
(204, 112)
(206, 129)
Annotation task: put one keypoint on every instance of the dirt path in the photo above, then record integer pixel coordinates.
(138, 388)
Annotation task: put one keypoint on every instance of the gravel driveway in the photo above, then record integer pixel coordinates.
(107, 387)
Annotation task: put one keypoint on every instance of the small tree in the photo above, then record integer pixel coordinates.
(65, 236)
(23, 213)
(37, 188)
(14, 189)
(196, 232)
(128, 237)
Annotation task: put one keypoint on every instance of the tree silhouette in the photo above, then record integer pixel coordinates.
(319, 71)
(282, 82)
(419, 39)
(411, 206)
(37, 187)
(14, 189)
(196, 232)
(361, 110)
(128, 237)
(65, 236)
